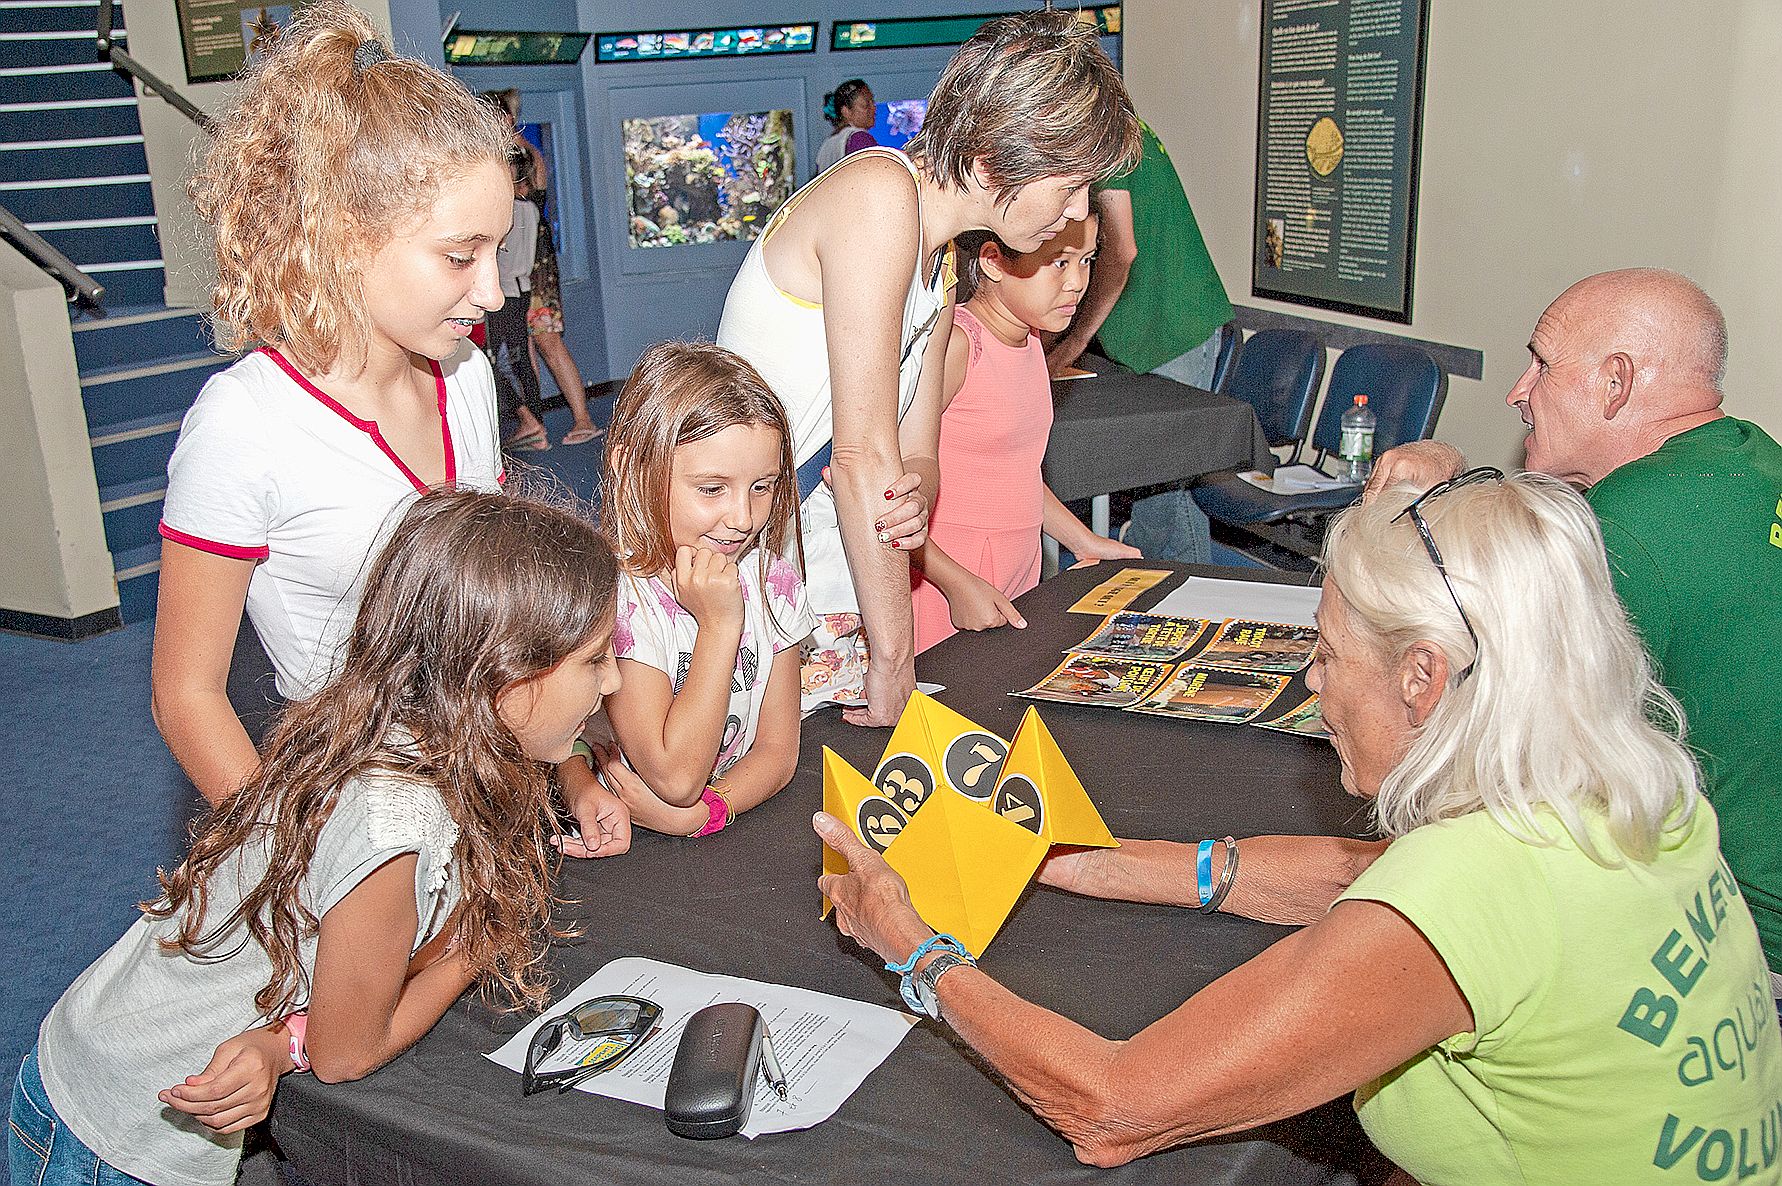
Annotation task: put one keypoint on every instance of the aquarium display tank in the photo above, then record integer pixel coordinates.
(898, 121)
(709, 178)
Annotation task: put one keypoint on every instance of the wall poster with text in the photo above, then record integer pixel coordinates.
(1339, 120)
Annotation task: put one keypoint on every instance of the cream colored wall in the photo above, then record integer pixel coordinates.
(1558, 140)
(51, 532)
(172, 141)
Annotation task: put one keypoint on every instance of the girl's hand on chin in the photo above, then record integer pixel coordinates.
(707, 586)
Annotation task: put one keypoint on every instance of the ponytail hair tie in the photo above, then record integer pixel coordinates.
(369, 54)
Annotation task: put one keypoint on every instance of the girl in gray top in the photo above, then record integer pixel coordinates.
(393, 848)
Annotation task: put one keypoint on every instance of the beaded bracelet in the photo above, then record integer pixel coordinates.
(1226, 877)
(943, 941)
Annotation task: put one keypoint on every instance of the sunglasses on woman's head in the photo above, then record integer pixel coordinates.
(614, 1025)
(1484, 473)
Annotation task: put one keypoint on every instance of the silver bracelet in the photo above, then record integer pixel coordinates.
(1226, 876)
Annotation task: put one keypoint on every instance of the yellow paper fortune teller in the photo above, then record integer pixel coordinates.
(963, 816)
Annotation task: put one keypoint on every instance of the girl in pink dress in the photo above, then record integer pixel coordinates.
(984, 529)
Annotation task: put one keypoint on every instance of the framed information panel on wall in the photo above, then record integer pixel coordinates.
(221, 37)
(1339, 121)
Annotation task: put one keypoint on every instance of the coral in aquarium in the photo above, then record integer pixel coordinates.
(904, 117)
(706, 178)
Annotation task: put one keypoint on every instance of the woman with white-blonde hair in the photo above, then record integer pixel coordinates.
(1544, 974)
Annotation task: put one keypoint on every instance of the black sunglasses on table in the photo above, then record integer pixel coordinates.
(1484, 473)
(617, 1025)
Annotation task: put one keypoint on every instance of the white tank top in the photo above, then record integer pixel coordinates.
(784, 338)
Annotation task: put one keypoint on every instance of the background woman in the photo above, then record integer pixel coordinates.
(850, 108)
(837, 302)
(544, 315)
(1516, 987)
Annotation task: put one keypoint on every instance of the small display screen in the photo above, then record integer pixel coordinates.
(913, 32)
(708, 178)
(897, 121)
(474, 47)
(663, 45)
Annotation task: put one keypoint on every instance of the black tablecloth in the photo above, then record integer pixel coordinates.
(1120, 431)
(744, 902)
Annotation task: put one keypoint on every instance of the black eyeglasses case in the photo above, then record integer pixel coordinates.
(711, 1086)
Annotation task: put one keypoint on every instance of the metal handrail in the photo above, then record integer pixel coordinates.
(151, 82)
(80, 286)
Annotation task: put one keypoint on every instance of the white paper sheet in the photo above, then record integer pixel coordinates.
(826, 1045)
(820, 705)
(1208, 597)
(1295, 479)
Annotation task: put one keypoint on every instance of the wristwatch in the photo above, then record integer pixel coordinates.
(924, 984)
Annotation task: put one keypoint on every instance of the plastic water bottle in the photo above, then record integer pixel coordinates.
(1356, 449)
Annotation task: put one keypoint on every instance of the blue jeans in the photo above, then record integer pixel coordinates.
(40, 1150)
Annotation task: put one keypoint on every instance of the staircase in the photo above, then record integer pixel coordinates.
(72, 168)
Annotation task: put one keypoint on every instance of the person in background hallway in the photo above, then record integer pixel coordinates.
(1158, 304)
(544, 313)
(851, 109)
(516, 386)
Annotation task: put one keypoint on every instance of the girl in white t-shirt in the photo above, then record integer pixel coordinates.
(395, 847)
(702, 503)
(358, 201)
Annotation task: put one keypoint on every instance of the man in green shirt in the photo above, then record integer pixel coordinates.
(1154, 295)
(1622, 397)
(1158, 303)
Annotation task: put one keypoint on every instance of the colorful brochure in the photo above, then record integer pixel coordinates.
(1261, 646)
(1217, 694)
(1153, 638)
(1099, 680)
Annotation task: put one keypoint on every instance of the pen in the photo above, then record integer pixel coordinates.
(770, 1063)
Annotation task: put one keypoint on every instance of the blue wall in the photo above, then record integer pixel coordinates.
(643, 295)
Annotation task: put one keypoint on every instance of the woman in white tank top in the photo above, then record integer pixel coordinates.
(837, 302)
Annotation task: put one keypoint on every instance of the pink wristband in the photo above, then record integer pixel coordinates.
(297, 1024)
(720, 812)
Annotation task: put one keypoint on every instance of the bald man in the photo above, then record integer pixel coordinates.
(1622, 397)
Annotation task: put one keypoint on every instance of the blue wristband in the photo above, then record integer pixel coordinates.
(928, 945)
(1203, 871)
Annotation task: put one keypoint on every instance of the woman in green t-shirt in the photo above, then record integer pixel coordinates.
(1544, 974)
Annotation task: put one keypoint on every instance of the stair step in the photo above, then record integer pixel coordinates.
(98, 82)
(19, 50)
(121, 340)
(137, 595)
(53, 203)
(27, 18)
(135, 450)
(89, 157)
(100, 245)
(104, 117)
(141, 286)
(134, 524)
(121, 397)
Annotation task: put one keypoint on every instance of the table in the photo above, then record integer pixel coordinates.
(744, 902)
(1119, 431)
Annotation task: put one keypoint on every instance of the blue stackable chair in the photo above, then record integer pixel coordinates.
(1277, 373)
(1405, 390)
(1230, 338)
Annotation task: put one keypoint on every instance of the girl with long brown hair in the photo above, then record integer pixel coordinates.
(703, 505)
(394, 847)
